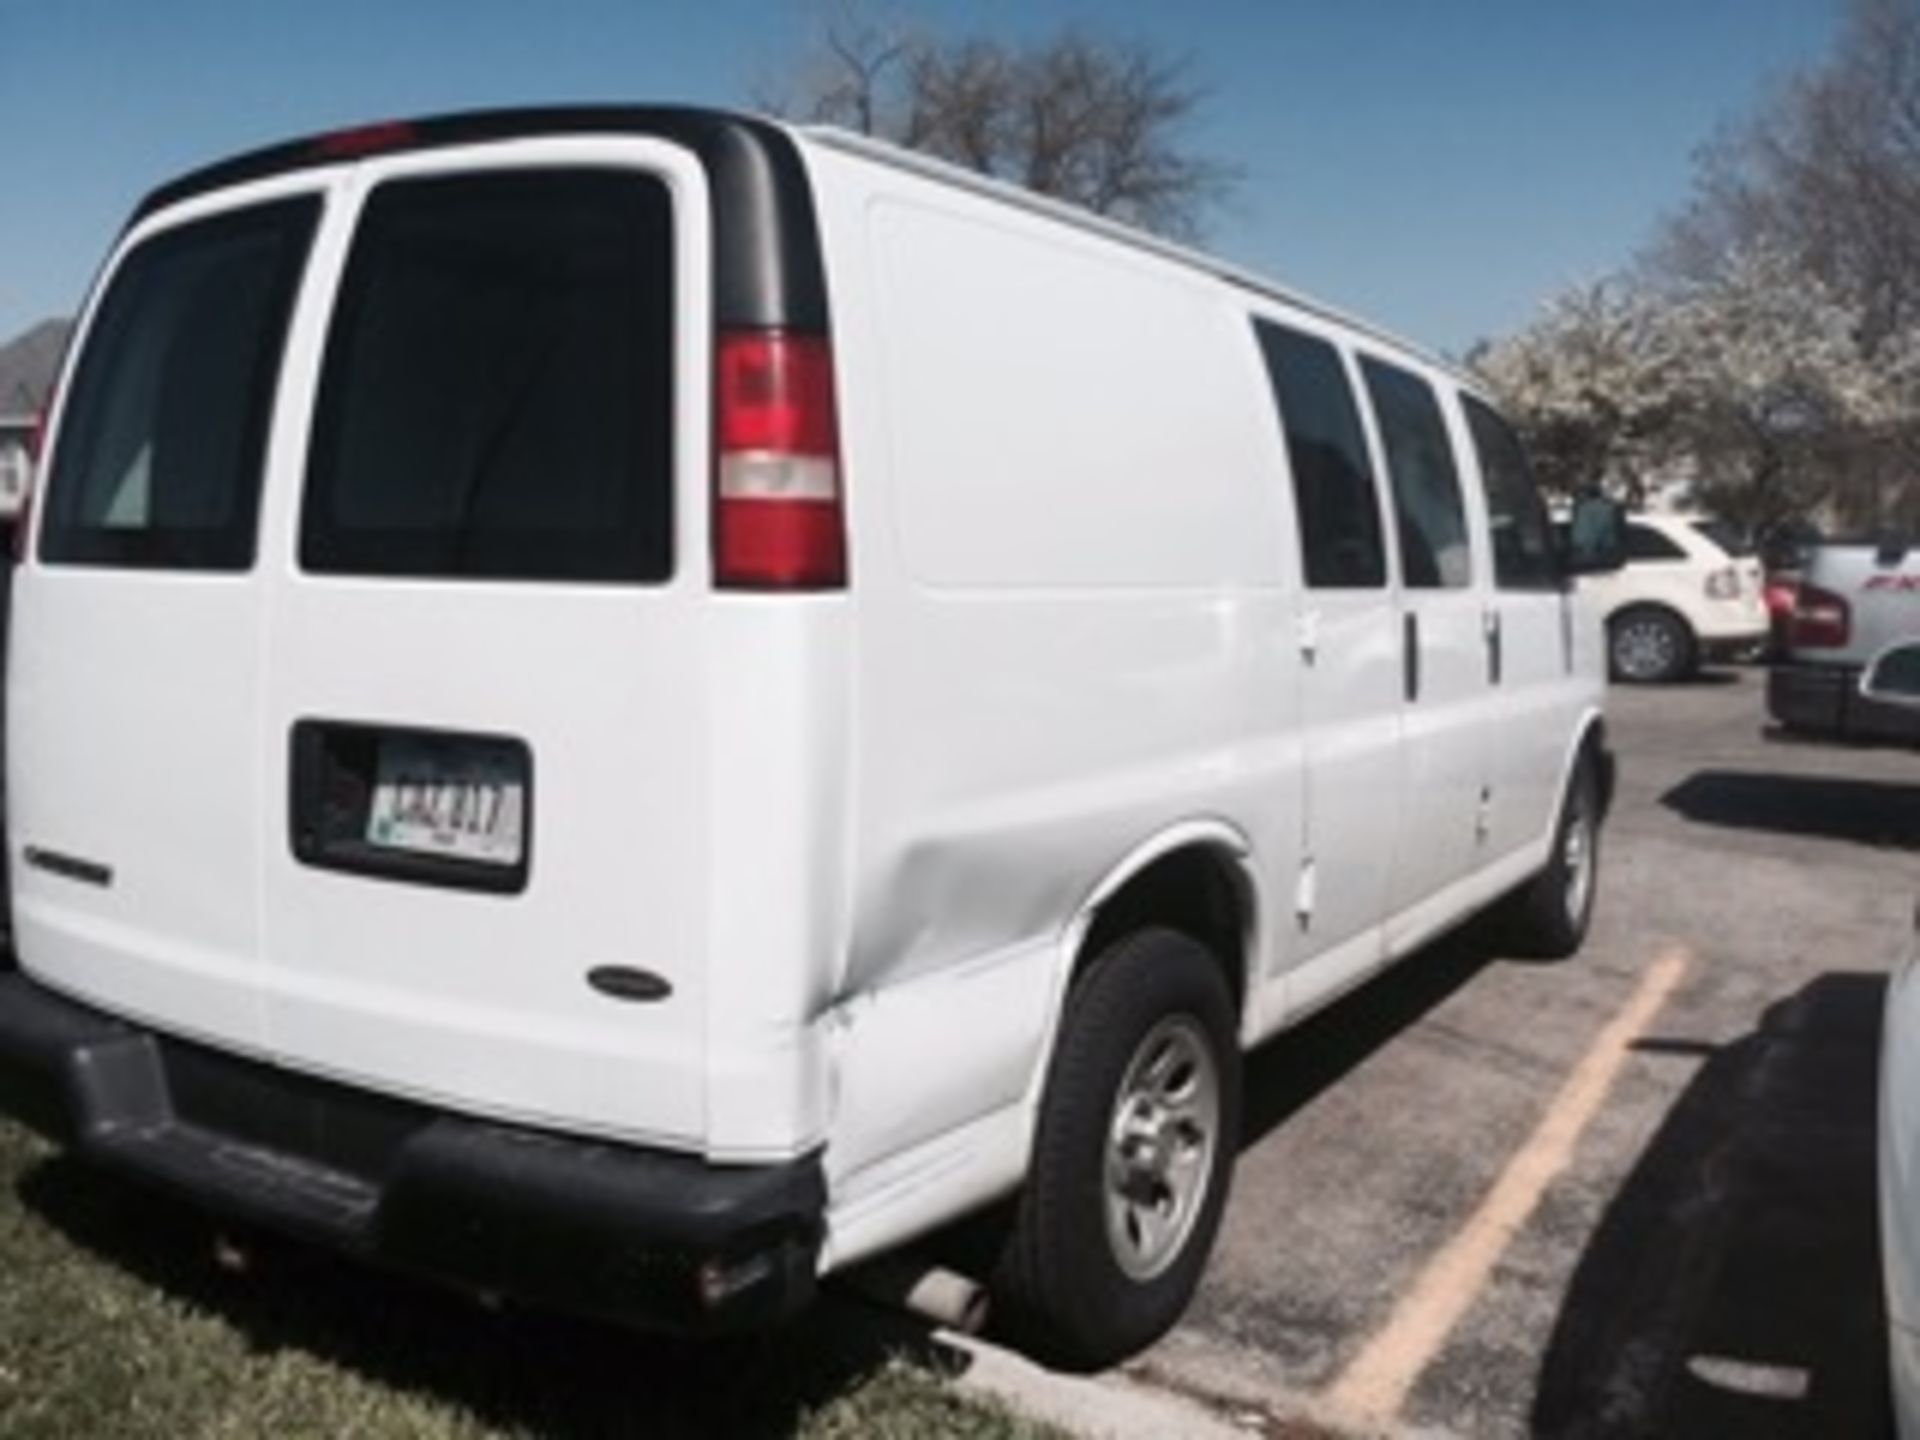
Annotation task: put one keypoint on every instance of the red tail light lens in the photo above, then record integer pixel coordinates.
(1821, 619)
(777, 514)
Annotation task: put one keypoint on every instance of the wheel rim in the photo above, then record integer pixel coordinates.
(1576, 855)
(1644, 649)
(1160, 1147)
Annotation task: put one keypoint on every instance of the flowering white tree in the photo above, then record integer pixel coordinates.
(1809, 207)
(1752, 383)
(1777, 405)
(1591, 384)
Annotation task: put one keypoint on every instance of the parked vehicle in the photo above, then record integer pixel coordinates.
(16, 463)
(1783, 557)
(1690, 591)
(631, 707)
(1855, 598)
(1892, 680)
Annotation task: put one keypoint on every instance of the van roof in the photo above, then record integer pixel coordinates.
(758, 186)
(867, 147)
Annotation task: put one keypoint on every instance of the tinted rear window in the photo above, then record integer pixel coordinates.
(1646, 543)
(498, 394)
(1727, 536)
(163, 437)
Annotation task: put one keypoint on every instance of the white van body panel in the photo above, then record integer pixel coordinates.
(520, 1034)
(864, 832)
(1076, 586)
(141, 721)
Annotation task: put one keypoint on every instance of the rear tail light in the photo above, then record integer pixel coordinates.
(777, 514)
(1724, 584)
(1820, 618)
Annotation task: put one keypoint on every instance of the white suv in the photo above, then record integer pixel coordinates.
(1690, 591)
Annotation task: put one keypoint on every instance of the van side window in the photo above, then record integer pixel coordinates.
(497, 400)
(1523, 553)
(164, 434)
(1426, 484)
(1333, 489)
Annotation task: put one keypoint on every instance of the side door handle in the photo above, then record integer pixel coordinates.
(1410, 654)
(1495, 657)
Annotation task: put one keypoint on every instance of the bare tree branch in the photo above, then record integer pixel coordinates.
(1087, 120)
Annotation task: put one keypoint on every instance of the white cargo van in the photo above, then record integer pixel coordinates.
(629, 707)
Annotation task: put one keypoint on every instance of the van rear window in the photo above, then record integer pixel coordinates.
(163, 436)
(497, 399)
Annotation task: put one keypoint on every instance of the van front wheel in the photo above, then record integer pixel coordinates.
(1548, 917)
(1132, 1155)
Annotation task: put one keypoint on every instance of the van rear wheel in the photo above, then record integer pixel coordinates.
(1132, 1156)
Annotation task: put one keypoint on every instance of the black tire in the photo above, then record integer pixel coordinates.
(1548, 916)
(1648, 645)
(1061, 1287)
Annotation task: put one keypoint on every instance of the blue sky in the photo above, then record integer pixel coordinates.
(1438, 166)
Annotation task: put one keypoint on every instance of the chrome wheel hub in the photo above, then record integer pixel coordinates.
(1160, 1147)
(1644, 648)
(1576, 856)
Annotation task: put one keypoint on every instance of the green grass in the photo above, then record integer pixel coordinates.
(116, 1318)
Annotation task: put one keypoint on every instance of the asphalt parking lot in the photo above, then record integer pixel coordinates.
(1626, 1194)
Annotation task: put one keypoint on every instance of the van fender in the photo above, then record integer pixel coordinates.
(1591, 731)
(911, 1144)
(1209, 832)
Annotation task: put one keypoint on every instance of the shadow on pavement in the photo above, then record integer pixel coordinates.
(512, 1370)
(1733, 1287)
(1866, 812)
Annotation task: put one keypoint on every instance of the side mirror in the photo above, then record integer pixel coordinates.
(1596, 537)
(1893, 676)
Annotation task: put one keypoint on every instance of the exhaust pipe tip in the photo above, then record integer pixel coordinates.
(949, 1299)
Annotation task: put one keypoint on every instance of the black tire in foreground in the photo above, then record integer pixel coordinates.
(1649, 645)
(1547, 918)
(1138, 1130)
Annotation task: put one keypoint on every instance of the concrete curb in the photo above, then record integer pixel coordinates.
(1106, 1407)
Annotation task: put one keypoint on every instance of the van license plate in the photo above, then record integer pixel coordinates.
(469, 803)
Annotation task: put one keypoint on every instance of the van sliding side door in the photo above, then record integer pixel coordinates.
(1351, 664)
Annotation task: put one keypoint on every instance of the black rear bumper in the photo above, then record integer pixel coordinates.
(645, 1237)
(1826, 700)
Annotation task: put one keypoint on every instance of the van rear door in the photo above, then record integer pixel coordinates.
(484, 879)
(136, 797)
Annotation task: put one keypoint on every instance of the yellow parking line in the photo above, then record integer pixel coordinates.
(1374, 1386)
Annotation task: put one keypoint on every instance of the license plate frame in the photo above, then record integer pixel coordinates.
(406, 803)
